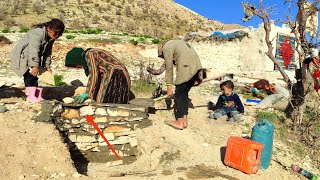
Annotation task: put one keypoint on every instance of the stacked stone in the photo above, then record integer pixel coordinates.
(117, 122)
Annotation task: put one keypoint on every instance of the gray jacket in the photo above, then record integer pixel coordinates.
(33, 50)
(185, 58)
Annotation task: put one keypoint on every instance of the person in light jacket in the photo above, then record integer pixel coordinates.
(34, 50)
(189, 73)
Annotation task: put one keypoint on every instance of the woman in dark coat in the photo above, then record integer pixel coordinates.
(109, 80)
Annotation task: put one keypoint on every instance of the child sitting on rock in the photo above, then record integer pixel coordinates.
(228, 103)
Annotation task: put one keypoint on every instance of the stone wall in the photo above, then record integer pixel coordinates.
(117, 122)
(244, 57)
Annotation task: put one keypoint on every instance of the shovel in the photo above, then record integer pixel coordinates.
(149, 102)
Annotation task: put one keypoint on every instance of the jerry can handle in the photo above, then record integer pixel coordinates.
(264, 123)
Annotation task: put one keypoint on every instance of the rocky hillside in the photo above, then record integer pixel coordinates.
(158, 18)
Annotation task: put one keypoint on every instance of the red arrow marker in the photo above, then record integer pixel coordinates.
(91, 121)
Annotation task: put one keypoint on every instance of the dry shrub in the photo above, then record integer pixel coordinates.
(10, 22)
(2, 14)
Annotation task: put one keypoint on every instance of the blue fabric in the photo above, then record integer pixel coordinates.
(230, 103)
(228, 35)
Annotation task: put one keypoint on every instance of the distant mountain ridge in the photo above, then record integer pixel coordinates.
(158, 18)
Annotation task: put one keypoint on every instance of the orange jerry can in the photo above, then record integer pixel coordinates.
(243, 154)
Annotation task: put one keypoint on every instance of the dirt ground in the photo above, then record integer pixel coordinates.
(35, 150)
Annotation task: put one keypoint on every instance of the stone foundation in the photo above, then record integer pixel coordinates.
(117, 122)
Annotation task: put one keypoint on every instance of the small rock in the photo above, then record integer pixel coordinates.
(21, 177)
(96, 149)
(134, 142)
(57, 110)
(75, 121)
(68, 100)
(3, 109)
(80, 90)
(118, 112)
(54, 175)
(70, 113)
(2, 83)
(62, 175)
(116, 129)
(76, 83)
(114, 163)
(86, 110)
(109, 136)
(76, 175)
(205, 144)
(101, 111)
(88, 101)
(47, 78)
(101, 119)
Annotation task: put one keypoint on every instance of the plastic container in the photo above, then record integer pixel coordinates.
(305, 173)
(263, 132)
(243, 154)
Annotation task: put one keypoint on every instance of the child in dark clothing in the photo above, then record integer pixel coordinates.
(228, 103)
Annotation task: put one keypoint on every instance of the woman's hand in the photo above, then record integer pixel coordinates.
(35, 71)
(49, 69)
(81, 98)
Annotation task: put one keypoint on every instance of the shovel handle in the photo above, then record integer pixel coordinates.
(160, 98)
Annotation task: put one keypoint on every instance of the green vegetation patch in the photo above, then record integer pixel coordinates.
(70, 36)
(270, 116)
(24, 30)
(143, 87)
(58, 80)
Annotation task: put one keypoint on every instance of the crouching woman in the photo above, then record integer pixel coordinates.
(109, 80)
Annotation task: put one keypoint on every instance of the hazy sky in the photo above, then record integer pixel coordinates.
(231, 12)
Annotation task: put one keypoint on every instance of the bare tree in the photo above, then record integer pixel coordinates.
(305, 102)
(267, 22)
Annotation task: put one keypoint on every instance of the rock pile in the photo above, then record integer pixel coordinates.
(117, 122)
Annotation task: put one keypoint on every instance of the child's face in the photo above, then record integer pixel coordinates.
(226, 91)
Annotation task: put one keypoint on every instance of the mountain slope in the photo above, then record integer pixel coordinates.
(159, 18)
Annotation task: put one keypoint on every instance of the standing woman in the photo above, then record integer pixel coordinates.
(109, 80)
(34, 50)
(189, 73)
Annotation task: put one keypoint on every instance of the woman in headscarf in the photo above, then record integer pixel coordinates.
(109, 80)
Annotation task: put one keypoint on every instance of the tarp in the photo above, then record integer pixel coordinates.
(229, 34)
